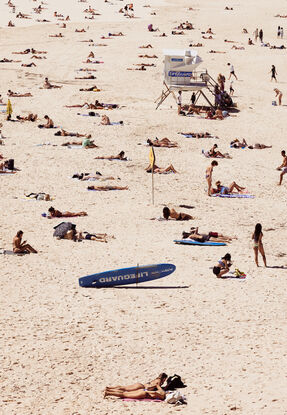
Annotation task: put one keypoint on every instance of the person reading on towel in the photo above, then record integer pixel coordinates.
(57, 214)
(172, 214)
(20, 247)
(150, 390)
(49, 123)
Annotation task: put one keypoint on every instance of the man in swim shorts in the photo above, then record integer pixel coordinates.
(283, 167)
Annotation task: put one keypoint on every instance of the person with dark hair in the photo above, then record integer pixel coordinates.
(215, 153)
(57, 214)
(120, 156)
(20, 247)
(273, 73)
(172, 214)
(49, 123)
(223, 266)
(224, 190)
(163, 142)
(208, 175)
(258, 245)
(232, 72)
(282, 167)
(261, 35)
(150, 390)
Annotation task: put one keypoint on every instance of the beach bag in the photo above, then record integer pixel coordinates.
(62, 229)
(175, 398)
(174, 382)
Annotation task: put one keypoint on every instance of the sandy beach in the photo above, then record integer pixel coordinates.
(61, 344)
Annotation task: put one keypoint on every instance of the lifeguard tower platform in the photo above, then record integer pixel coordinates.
(181, 74)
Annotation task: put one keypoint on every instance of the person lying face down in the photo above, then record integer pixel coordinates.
(53, 213)
(172, 214)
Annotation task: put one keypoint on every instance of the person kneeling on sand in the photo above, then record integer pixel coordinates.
(20, 247)
(223, 265)
(172, 214)
(150, 390)
(57, 214)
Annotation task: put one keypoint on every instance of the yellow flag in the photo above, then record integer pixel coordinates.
(151, 157)
(9, 108)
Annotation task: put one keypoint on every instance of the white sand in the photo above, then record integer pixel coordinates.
(60, 344)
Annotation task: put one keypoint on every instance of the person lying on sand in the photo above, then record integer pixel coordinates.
(238, 47)
(146, 47)
(57, 35)
(120, 156)
(29, 117)
(49, 123)
(90, 89)
(64, 133)
(99, 237)
(21, 15)
(20, 247)
(207, 37)
(142, 68)
(223, 265)
(38, 57)
(196, 45)
(238, 144)
(53, 213)
(148, 56)
(106, 188)
(161, 170)
(86, 77)
(216, 51)
(5, 60)
(172, 214)
(80, 30)
(28, 65)
(87, 143)
(175, 32)
(226, 190)
(39, 196)
(17, 94)
(203, 237)
(48, 85)
(164, 142)
(199, 135)
(94, 177)
(192, 109)
(5, 168)
(150, 390)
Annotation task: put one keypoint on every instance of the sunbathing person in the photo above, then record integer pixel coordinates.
(87, 143)
(57, 35)
(49, 123)
(223, 190)
(106, 188)
(120, 156)
(25, 52)
(202, 237)
(192, 109)
(20, 247)
(164, 142)
(18, 95)
(80, 30)
(99, 237)
(48, 85)
(238, 144)
(86, 77)
(38, 57)
(148, 56)
(145, 47)
(215, 153)
(161, 170)
(91, 89)
(64, 133)
(238, 47)
(30, 117)
(5, 60)
(57, 214)
(199, 135)
(141, 68)
(151, 390)
(28, 65)
(172, 214)
(105, 120)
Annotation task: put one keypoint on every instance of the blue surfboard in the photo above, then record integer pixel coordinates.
(124, 276)
(191, 242)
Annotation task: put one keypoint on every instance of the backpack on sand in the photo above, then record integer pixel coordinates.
(174, 382)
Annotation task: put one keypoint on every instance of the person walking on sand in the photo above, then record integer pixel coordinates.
(179, 102)
(273, 73)
(282, 167)
(261, 35)
(258, 245)
(278, 94)
(278, 32)
(208, 176)
(231, 71)
(20, 247)
(281, 32)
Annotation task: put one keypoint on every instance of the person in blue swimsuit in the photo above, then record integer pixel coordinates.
(224, 190)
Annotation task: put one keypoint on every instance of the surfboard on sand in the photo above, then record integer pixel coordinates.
(124, 276)
(191, 242)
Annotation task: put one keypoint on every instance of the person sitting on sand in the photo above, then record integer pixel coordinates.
(105, 120)
(120, 156)
(202, 237)
(224, 190)
(64, 133)
(10, 24)
(164, 142)
(49, 123)
(161, 170)
(57, 214)
(18, 95)
(172, 214)
(106, 188)
(215, 153)
(29, 117)
(20, 247)
(48, 85)
(150, 390)
(223, 265)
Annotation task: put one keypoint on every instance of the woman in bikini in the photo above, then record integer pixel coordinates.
(258, 245)
(223, 265)
(172, 214)
(151, 390)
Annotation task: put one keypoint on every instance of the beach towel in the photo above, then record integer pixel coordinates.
(91, 114)
(235, 195)
(142, 400)
(117, 123)
(8, 252)
(193, 136)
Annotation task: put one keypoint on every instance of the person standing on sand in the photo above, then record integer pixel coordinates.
(278, 32)
(258, 245)
(279, 95)
(231, 90)
(231, 71)
(179, 102)
(208, 176)
(261, 35)
(255, 33)
(282, 167)
(281, 32)
(273, 73)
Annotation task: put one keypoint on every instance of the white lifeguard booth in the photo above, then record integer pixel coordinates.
(181, 74)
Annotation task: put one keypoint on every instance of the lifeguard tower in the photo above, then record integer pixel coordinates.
(181, 74)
